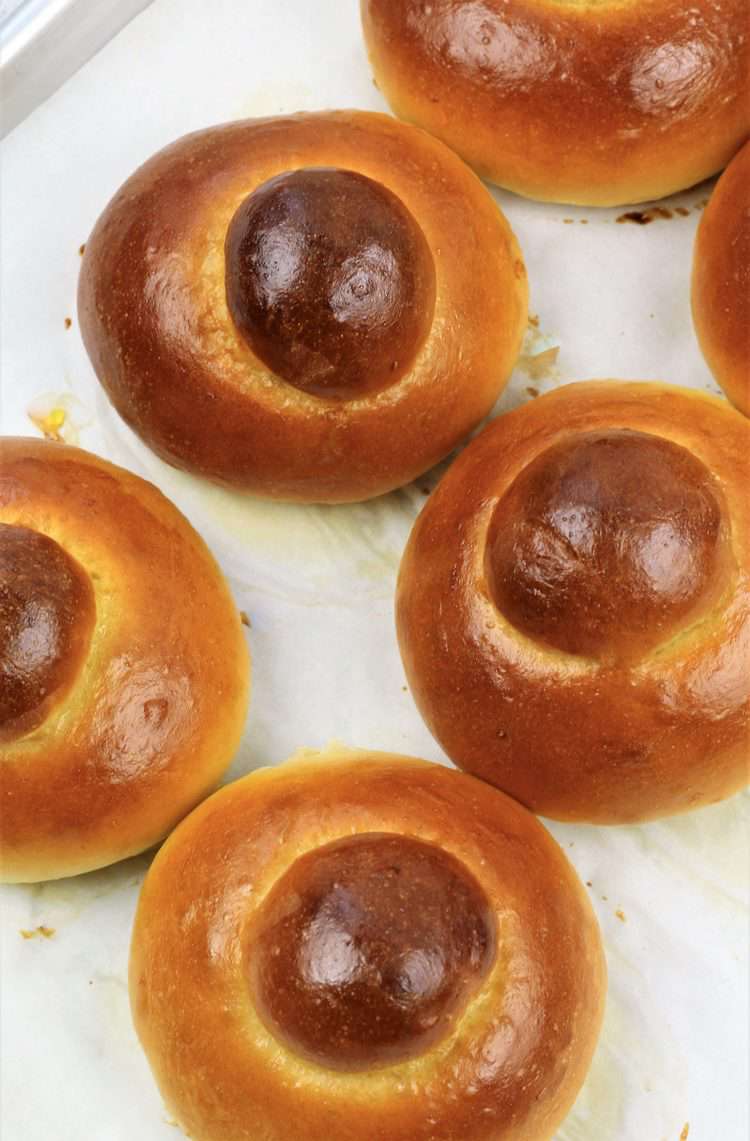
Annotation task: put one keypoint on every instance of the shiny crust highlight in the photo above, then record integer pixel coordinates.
(154, 706)
(520, 1046)
(611, 731)
(601, 104)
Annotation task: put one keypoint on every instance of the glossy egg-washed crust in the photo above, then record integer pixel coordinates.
(634, 702)
(154, 316)
(128, 671)
(721, 281)
(596, 102)
(510, 1066)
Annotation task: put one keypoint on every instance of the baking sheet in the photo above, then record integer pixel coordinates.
(608, 298)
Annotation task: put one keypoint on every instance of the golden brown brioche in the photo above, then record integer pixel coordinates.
(358, 945)
(314, 308)
(596, 102)
(573, 605)
(721, 281)
(123, 669)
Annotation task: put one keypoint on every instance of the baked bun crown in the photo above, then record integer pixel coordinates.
(721, 281)
(603, 103)
(123, 669)
(573, 605)
(373, 946)
(314, 308)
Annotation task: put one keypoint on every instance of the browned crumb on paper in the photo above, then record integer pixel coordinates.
(621, 915)
(68, 322)
(583, 221)
(644, 217)
(568, 221)
(245, 620)
(589, 883)
(82, 249)
(531, 391)
(533, 320)
(682, 211)
(38, 932)
(425, 491)
(685, 1131)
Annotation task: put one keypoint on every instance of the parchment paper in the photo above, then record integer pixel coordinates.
(609, 299)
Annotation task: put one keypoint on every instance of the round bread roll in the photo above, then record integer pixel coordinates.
(573, 604)
(123, 669)
(313, 308)
(721, 281)
(358, 945)
(600, 103)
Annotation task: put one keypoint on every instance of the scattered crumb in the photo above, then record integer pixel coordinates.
(701, 205)
(589, 883)
(68, 322)
(403, 687)
(425, 490)
(539, 365)
(531, 391)
(644, 217)
(533, 320)
(605, 898)
(685, 1131)
(572, 844)
(568, 221)
(682, 211)
(640, 217)
(82, 249)
(245, 620)
(583, 221)
(375, 83)
(44, 932)
(621, 915)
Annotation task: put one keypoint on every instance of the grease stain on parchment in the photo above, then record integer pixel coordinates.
(40, 932)
(66, 899)
(304, 554)
(59, 416)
